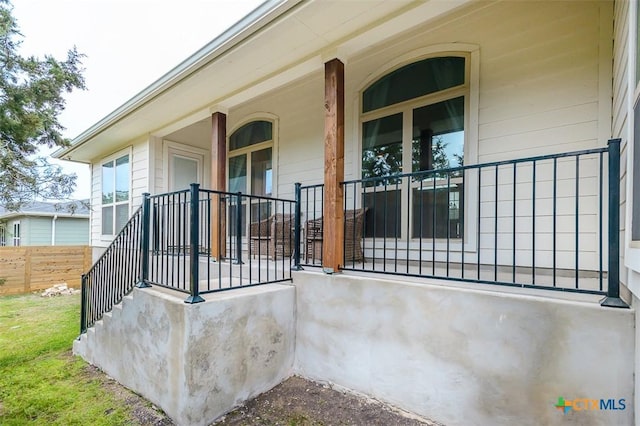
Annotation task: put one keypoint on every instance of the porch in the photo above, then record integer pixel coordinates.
(453, 353)
(542, 223)
(546, 222)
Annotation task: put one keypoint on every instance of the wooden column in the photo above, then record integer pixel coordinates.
(218, 183)
(333, 222)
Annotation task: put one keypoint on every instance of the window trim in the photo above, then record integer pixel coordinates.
(128, 151)
(3, 235)
(273, 144)
(470, 90)
(633, 101)
(632, 247)
(170, 148)
(17, 233)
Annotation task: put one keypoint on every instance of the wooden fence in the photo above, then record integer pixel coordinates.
(33, 268)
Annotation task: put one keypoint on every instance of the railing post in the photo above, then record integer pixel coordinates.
(296, 229)
(194, 249)
(144, 241)
(613, 299)
(83, 305)
(238, 260)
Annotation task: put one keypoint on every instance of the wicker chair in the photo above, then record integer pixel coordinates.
(272, 237)
(313, 240)
(353, 226)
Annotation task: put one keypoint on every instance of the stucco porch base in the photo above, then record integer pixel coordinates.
(196, 361)
(463, 356)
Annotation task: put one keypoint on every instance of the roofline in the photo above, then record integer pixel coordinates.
(45, 214)
(261, 16)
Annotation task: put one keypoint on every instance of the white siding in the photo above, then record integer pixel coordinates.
(621, 72)
(621, 113)
(299, 150)
(139, 172)
(159, 174)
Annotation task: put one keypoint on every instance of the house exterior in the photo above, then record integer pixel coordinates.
(489, 146)
(46, 224)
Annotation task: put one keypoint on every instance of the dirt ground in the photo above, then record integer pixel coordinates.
(299, 402)
(295, 402)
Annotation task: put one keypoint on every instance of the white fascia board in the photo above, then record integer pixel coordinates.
(36, 214)
(264, 14)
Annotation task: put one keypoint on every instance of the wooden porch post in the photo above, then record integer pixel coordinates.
(218, 183)
(333, 222)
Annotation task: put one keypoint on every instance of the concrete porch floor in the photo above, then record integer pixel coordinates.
(227, 274)
(563, 286)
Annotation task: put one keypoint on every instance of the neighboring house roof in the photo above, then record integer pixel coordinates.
(277, 43)
(76, 208)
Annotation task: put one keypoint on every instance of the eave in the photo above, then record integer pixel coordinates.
(279, 42)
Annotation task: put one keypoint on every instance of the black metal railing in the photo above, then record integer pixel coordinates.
(536, 222)
(113, 275)
(205, 241)
(180, 240)
(311, 202)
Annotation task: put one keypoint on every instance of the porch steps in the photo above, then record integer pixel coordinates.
(85, 340)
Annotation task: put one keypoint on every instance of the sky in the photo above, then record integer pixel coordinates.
(128, 44)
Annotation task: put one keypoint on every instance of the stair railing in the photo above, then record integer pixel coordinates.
(114, 274)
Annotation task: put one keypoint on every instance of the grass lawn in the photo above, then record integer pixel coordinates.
(40, 381)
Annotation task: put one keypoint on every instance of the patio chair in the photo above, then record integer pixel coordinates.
(272, 237)
(353, 226)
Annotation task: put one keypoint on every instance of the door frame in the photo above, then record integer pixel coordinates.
(170, 148)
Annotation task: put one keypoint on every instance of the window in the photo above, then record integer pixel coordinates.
(250, 149)
(115, 194)
(413, 119)
(3, 236)
(16, 234)
(251, 167)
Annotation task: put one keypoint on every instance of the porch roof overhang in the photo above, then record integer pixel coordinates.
(279, 42)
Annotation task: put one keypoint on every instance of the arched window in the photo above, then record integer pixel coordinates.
(250, 158)
(251, 169)
(413, 119)
(413, 81)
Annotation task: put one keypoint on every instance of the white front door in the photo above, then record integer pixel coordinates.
(184, 165)
(184, 168)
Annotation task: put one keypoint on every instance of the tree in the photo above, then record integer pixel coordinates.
(440, 159)
(380, 161)
(31, 98)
